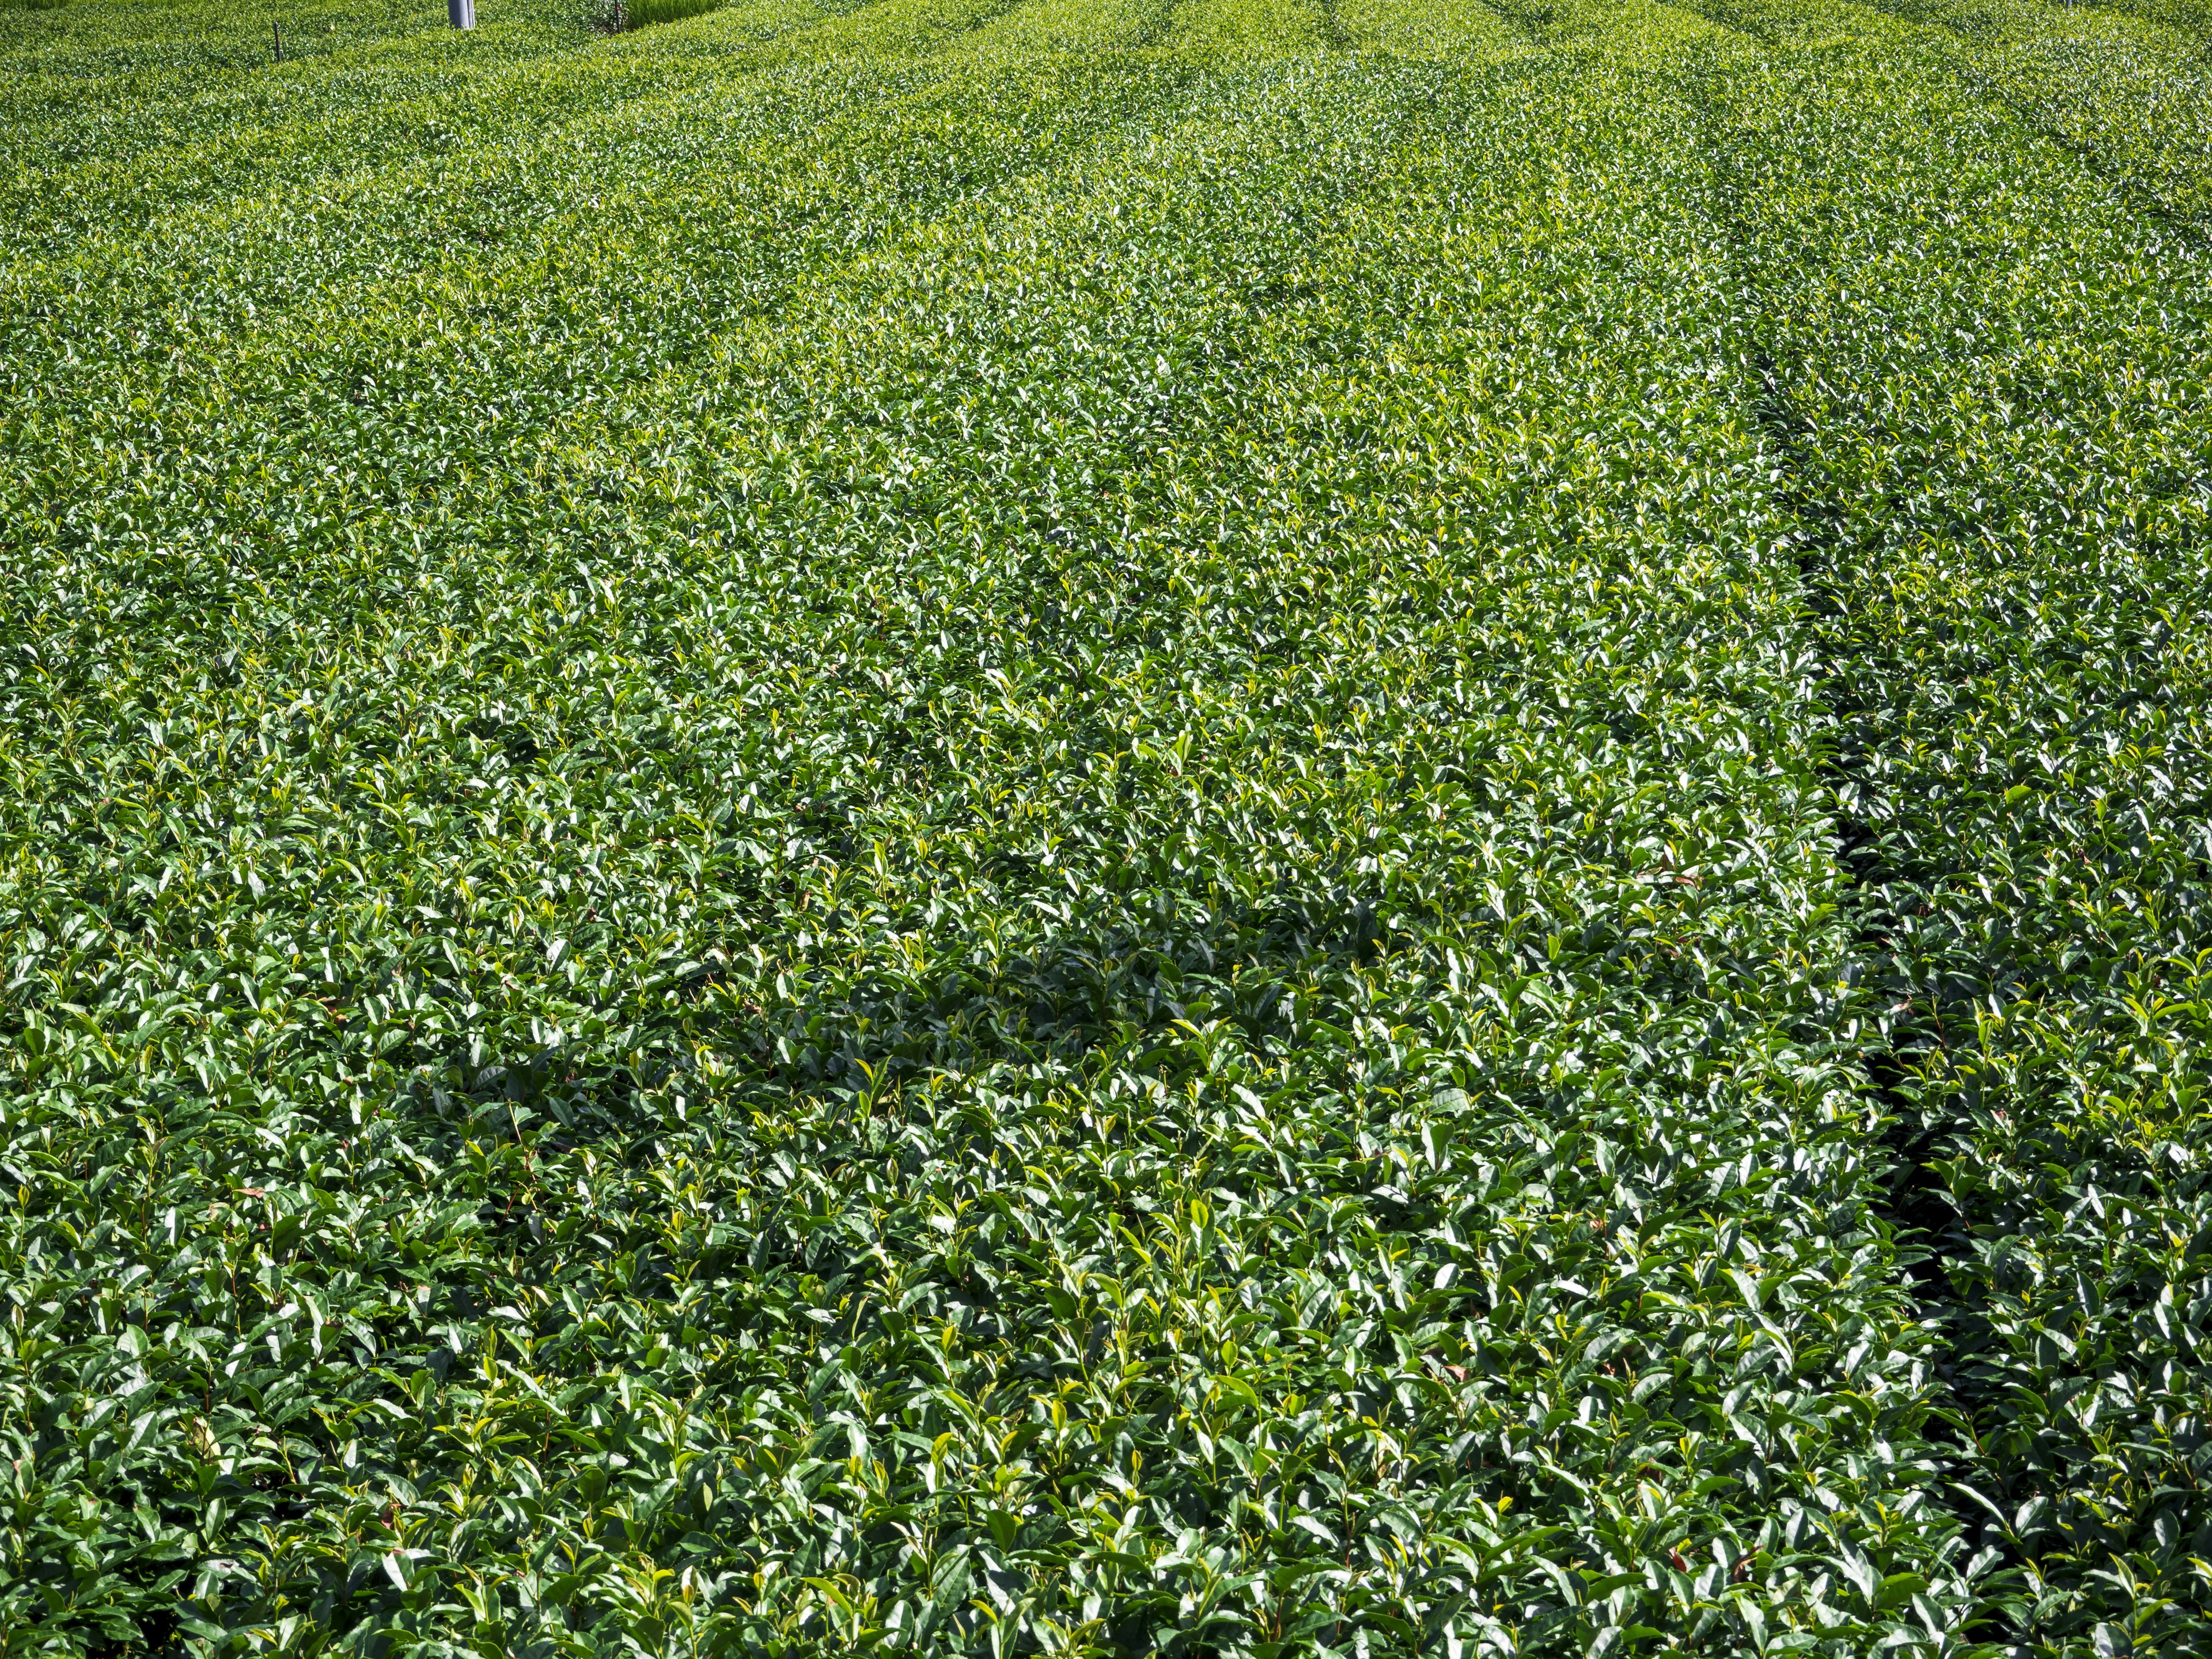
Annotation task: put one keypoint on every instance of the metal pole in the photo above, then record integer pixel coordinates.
(277, 31)
(462, 14)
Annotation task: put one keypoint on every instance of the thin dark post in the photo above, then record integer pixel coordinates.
(276, 30)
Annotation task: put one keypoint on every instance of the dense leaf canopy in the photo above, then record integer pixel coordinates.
(1238, 827)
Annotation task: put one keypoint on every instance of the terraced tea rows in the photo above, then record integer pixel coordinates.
(1102, 825)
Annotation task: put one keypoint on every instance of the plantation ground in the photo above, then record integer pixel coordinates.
(1106, 825)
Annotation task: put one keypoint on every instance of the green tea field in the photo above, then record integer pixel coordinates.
(1229, 828)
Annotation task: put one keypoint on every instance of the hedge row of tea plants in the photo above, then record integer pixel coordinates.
(1244, 827)
(2007, 558)
(640, 14)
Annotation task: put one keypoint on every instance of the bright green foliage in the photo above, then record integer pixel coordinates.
(1238, 827)
(639, 13)
(2016, 558)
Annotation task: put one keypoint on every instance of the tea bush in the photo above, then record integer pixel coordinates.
(639, 13)
(1238, 827)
